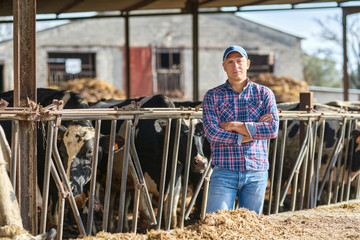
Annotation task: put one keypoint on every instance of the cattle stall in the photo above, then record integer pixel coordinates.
(302, 184)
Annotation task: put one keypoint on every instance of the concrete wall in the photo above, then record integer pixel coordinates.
(105, 38)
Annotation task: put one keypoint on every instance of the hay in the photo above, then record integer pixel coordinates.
(93, 90)
(342, 222)
(285, 89)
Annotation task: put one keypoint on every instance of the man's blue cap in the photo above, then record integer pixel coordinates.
(235, 49)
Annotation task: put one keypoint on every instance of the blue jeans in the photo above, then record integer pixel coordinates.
(248, 186)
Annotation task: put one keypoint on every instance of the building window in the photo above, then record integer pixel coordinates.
(63, 67)
(169, 72)
(261, 64)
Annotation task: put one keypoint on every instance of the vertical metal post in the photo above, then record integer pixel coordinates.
(173, 172)
(127, 55)
(14, 154)
(46, 182)
(195, 15)
(109, 175)
(25, 87)
(281, 162)
(345, 59)
(124, 175)
(93, 177)
(186, 172)
(163, 172)
(318, 161)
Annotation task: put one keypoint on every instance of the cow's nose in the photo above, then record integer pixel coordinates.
(200, 164)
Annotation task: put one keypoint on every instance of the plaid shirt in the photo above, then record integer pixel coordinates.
(223, 104)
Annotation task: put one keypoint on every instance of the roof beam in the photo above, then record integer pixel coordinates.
(350, 10)
(138, 5)
(69, 6)
(206, 1)
(254, 3)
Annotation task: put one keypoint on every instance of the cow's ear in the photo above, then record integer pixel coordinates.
(159, 125)
(61, 132)
(356, 135)
(118, 145)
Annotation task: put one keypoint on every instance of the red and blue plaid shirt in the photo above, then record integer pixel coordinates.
(223, 104)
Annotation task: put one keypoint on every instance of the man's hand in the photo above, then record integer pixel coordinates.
(231, 126)
(266, 118)
(246, 139)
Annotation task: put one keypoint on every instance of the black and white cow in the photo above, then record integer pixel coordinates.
(75, 144)
(149, 142)
(203, 147)
(332, 133)
(355, 155)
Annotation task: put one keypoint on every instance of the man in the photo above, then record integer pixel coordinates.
(239, 116)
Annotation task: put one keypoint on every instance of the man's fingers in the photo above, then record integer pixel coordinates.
(266, 118)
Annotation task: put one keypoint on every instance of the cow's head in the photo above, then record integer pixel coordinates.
(76, 142)
(200, 149)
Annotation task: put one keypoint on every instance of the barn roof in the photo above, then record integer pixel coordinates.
(70, 6)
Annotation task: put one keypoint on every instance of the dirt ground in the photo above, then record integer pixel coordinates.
(334, 222)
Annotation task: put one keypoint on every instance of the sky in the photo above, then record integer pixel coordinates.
(301, 23)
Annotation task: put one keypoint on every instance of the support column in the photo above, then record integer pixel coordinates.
(24, 12)
(195, 15)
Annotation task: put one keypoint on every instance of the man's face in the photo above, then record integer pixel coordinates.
(235, 66)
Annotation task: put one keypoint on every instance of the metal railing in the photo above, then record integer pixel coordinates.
(307, 165)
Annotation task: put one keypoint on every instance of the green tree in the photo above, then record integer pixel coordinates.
(321, 71)
(331, 34)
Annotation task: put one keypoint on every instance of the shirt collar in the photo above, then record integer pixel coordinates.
(228, 86)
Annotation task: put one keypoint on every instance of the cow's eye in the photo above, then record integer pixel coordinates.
(89, 153)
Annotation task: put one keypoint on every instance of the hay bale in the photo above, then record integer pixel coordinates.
(285, 89)
(93, 89)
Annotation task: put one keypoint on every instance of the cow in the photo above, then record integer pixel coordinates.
(202, 145)
(75, 144)
(11, 225)
(149, 141)
(332, 131)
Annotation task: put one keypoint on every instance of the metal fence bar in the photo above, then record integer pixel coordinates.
(281, 162)
(173, 174)
(163, 172)
(124, 175)
(14, 151)
(46, 183)
(90, 217)
(318, 162)
(186, 173)
(109, 175)
(349, 166)
(197, 190)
